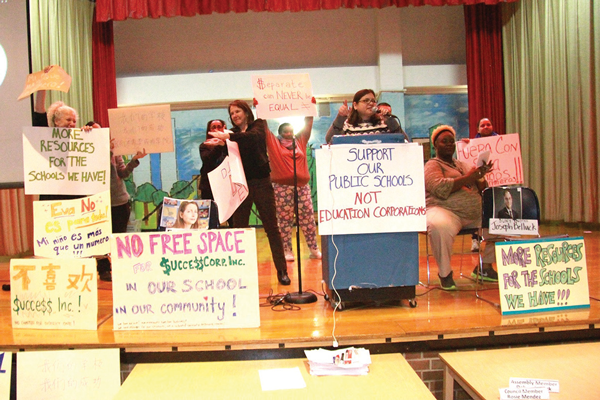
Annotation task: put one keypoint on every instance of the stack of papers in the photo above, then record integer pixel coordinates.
(350, 361)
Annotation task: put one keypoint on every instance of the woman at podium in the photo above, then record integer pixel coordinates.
(363, 118)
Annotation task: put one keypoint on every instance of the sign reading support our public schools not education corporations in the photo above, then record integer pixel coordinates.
(285, 95)
(185, 279)
(375, 188)
(542, 275)
(54, 293)
(66, 161)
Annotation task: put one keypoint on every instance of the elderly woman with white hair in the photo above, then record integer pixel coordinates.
(453, 198)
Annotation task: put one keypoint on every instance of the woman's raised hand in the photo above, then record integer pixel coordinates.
(344, 109)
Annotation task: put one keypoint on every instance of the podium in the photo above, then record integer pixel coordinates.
(371, 267)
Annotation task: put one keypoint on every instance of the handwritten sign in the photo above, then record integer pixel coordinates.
(141, 128)
(55, 79)
(54, 293)
(228, 183)
(192, 279)
(72, 228)
(5, 373)
(542, 275)
(505, 154)
(371, 188)
(69, 374)
(66, 161)
(284, 95)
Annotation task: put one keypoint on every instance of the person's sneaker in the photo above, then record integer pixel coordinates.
(315, 254)
(105, 276)
(447, 283)
(487, 274)
(289, 256)
(474, 245)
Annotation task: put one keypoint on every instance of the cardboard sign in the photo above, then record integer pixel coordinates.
(373, 188)
(136, 129)
(185, 280)
(53, 294)
(55, 79)
(5, 372)
(69, 374)
(285, 95)
(72, 228)
(542, 275)
(66, 161)
(228, 183)
(505, 154)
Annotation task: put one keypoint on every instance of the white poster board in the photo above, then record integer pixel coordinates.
(185, 280)
(54, 293)
(375, 188)
(228, 183)
(136, 129)
(5, 372)
(66, 161)
(505, 154)
(285, 95)
(542, 275)
(68, 374)
(72, 228)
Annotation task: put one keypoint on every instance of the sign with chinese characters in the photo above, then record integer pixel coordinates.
(54, 293)
(146, 128)
(285, 95)
(505, 155)
(375, 188)
(72, 228)
(66, 161)
(185, 279)
(542, 275)
(54, 78)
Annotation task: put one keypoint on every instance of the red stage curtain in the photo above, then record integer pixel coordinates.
(103, 69)
(485, 69)
(119, 10)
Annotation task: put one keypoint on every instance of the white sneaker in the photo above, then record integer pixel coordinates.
(474, 245)
(315, 254)
(289, 256)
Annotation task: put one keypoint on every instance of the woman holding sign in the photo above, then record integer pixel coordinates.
(362, 118)
(453, 199)
(250, 135)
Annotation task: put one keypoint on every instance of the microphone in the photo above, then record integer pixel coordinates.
(376, 110)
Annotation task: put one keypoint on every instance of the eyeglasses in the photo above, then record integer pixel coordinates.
(367, 101)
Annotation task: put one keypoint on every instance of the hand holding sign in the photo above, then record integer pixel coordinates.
(52, 77)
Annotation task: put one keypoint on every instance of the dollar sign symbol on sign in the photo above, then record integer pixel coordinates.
(260, 84)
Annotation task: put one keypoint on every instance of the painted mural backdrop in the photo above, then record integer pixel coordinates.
(175, 174)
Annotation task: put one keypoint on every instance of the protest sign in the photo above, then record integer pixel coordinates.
(192, 279)
(5, 374)
(146, 128)
(92, 374)
(509, 216)
(373, 188)
(55, 79)
(285, 95)
(173, 213)
(66, 161)
(54, 293)
(228, 183)
(542, 275)
(72, 228)
(505, 155)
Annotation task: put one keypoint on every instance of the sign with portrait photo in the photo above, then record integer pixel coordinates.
(185, 214)
(509, 219)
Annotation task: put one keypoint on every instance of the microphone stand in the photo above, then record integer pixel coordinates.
(298, 297)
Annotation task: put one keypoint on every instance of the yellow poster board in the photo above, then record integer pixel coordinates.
(54, 293)
(55, 78)
(542, 275)
(185, 279)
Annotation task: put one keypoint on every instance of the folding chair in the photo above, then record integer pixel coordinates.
(529, 209)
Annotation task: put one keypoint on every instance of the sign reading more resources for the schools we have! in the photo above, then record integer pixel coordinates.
(54, 293)
(542, 275)
(285, 95)
(66, 161)
(374, 188)
(186, 279)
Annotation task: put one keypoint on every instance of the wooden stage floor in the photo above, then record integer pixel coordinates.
(441, 320)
